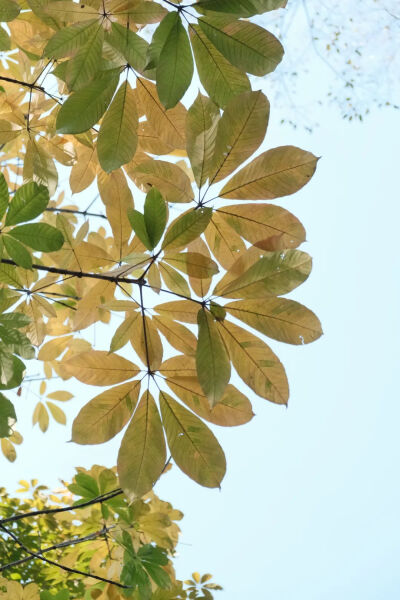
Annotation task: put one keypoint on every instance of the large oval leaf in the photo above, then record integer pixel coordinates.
(212, 360)
(106, 414)
(29, 201)
(142, 455)
(278, 172)
(201, 129)
(186, 228)
(85, 107)
(255, 363)
(279, 318)
(100, 368)
(39, 236)
(193, 446)
(117, 139)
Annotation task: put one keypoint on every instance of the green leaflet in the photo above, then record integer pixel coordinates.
(29, 201)
(85, 107)
(219, 77)
(192, 444)
(4, 197)
(142, 454)
(150, 226)
(117, 139)
(187, 228)
(212, 360)
(7, 416)
(9, 10)
(175, 66)
(68, 40)
(5, 41)
(17, 252)
(240, 8)
(132, 47)
(86, 63)
(249, 47)
(39, 236)
(201, 128)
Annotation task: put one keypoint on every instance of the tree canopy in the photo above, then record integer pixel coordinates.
(194, 270)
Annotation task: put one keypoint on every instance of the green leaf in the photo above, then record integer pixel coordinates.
(68, 40)
(212, 360)
(117, 139)
(274, 274)
(275, 173)
(240, 132)
(4, 197)
(175, 65)
(7, 416)
(187, 228)
(12, 371)
(9, 10)
(5, 40)
(201, 129)
(85, 64)
(281, 319)
(192, 444)
(17, 252)
(240, 8)
(142, 455)
(144, 13)
(193, 264)
(155, 216)
(132, 47)
(16, 342)
(14, 320)
(39, 236)
(106, 414)
(29, 201)
(159, 38)
(220, 78)
(84, 108)
(247, 46)
(136, 219)
(9, 276)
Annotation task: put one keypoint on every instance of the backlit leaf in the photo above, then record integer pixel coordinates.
(193, 446)
(278, 172)
(168, 178)
(220, 78)
(201, 128)
(155, 216)
(142, 454)
(106, 414)
(100, 368)
(29, 201)
(117, 139)
(279, 318)
(255, 363)
(186, 228)
(175, 65)
(212, 360)
(39, 236)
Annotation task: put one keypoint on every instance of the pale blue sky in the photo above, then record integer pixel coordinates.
(309, 506)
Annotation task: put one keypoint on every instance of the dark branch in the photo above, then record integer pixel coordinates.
(87, 538)
(56, 564)
(52, 511)
(84, 213)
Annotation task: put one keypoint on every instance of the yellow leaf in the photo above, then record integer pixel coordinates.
(174, 281)
(123, 332)
(41, 416)
(42, 388)
(225, 244)
(255, 363)
(192, 444)
(266, 226)
(142, 454)
(278, 172)
(240, 132)
(147, 344)
(60, 396)
(84, 170)
(168, 178)
(52, 349)
(100, 368)
(192, 263)
(281, 319)
(106, 414)
(8, 449)
(180, 310)
(179, 336)
(57, 413)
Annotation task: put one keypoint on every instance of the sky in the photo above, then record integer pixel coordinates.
(308, 509)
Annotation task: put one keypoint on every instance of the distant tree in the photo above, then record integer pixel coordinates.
(344, 54)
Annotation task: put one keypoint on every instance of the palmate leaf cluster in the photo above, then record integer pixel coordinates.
(189, 259)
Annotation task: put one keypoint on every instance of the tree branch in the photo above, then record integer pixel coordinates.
(84, 213)
(56, 564)
(52, 511)
(87, 538)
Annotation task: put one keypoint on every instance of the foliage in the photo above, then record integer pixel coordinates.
(91, 539)
(96, 88)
